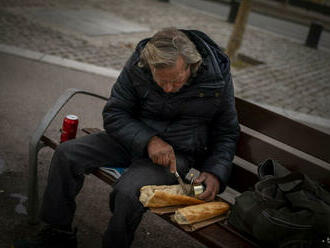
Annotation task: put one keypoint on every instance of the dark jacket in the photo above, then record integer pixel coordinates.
(199, 121)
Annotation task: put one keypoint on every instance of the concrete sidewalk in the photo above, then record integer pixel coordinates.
(271, 20)
(286, 12)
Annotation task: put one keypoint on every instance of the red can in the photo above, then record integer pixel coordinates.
(69, 127)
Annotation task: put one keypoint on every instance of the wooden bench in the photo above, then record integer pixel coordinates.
(264, 134)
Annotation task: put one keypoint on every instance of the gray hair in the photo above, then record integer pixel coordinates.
(163, 49)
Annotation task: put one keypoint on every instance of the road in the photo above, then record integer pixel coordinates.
(285, 28)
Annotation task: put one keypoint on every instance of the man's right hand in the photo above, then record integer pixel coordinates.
(162, 153)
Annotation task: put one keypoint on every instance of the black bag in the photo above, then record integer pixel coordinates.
(286, 210)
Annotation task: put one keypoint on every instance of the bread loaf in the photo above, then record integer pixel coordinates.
(165, 196)
(200, 212)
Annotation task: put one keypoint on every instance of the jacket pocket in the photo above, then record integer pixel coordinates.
(210, 91)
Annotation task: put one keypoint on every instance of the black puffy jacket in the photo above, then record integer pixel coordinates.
(199, 121)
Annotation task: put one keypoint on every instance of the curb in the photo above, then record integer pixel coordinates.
(50, 59)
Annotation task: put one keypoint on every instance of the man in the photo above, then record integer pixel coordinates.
(172, 108)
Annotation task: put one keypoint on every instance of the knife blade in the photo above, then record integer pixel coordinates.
(183, 186)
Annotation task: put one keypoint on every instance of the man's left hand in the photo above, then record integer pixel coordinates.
(212, 186)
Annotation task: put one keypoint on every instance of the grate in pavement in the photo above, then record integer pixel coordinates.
(90, 22)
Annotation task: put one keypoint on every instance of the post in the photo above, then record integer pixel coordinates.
(234, 6)
(314, 35)
(236, 36)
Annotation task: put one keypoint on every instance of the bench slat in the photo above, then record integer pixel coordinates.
(104, 176)
(241, 179)
(255, 150)
(217, 235)
(283, 129)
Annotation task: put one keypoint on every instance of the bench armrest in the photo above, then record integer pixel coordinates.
(35, 146)
(52, 112)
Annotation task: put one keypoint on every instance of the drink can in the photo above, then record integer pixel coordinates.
(69, 127)
(198, 189)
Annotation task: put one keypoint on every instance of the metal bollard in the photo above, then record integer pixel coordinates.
(234, 6)
(314, 35)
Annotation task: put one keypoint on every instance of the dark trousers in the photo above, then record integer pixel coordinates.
(75, 158)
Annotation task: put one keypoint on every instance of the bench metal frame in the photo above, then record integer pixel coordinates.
(36, 144)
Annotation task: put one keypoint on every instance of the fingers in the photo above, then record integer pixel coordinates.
(212, 186)
(208, 194)
(160, 152)
(172, 163)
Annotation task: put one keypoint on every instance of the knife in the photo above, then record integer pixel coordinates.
(183, 186)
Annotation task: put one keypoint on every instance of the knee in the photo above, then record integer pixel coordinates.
(62, 149)
(125, 196)
(63, 157)
(126, 192)
(66, 149)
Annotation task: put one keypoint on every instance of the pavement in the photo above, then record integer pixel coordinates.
(40, 58)
(288, 12)
(269, 15)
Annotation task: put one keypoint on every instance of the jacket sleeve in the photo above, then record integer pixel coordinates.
(120, 116)
(225, 132)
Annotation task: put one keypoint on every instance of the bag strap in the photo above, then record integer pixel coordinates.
(294, 188)
(320, 210)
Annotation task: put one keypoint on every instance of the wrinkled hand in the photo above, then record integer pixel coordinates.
(212, 184)
(162, 153)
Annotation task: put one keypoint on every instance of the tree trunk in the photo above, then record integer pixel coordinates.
(239, 28)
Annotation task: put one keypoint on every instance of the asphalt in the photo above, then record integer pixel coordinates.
(39, 60)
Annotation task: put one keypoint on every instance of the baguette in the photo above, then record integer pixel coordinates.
(165, 196)
(200, 212)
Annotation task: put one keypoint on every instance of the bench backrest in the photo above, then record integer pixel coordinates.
(266, 134)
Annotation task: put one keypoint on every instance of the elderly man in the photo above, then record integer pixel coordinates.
(171, 108)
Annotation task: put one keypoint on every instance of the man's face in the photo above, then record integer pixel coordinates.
(172, 79)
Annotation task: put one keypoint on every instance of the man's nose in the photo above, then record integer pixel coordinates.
(168, 87)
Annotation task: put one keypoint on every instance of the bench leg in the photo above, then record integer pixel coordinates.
(33, 192)
(35, 145)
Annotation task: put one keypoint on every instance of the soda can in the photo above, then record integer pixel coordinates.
(69, 128)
